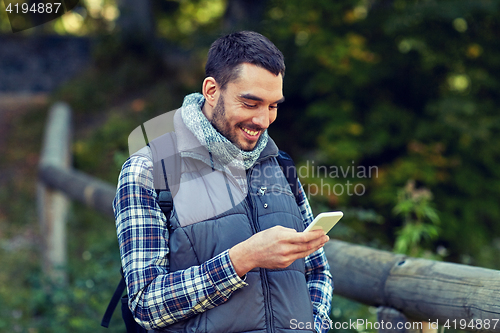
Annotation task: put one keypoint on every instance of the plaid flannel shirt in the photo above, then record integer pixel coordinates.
(158, 297)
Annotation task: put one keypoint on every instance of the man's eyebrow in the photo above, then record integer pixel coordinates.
(258, 99)
(281, 100)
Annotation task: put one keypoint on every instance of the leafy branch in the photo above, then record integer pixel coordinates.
(420, 220)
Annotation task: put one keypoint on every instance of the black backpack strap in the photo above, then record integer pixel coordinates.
(128, 318)
(166, 162)
(165, 201)
(288, 167)
(113, 303)
(164, 197)
(166, 204)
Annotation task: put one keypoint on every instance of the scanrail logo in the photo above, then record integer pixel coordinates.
(26, 14)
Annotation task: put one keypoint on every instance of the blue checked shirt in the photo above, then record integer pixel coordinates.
(158, 297)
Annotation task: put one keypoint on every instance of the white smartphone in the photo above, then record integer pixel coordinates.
(325, 221)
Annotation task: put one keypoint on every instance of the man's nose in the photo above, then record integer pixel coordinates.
(261, 119)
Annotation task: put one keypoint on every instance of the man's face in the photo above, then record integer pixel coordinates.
(248, 105)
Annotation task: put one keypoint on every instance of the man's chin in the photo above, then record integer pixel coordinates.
(247, 148)
(245, 144)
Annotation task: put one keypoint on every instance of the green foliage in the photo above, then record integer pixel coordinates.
(29, 302)
(407, 87)
(107, 146)
(420, 220)
(345, 314)
(181, 21)
(410, 87)
(39, 305)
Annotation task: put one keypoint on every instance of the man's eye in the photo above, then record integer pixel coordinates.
(250, 105)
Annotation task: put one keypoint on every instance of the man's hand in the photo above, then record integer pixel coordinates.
(274, 248)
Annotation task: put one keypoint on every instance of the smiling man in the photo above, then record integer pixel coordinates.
(231, 256)
(252, 103)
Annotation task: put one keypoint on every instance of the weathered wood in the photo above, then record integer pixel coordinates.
(57, 137)
(81, 187)
(423, 290)
(430, 290)
(360, 272)
(53, 205)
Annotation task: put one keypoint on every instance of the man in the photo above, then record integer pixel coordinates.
(231, 257)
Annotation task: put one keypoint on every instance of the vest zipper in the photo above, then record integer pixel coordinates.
(263, 271)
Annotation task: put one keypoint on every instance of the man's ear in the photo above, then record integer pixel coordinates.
(210, 91)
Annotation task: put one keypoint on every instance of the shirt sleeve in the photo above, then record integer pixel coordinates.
(318, 276)
(157, 297)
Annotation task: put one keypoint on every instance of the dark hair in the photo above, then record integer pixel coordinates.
(228, 52)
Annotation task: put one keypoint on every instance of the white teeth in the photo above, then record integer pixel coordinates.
(252, 133)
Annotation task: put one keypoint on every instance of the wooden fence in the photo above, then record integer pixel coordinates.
(411, 294)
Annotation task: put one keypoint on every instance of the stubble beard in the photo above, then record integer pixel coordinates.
(222, 126)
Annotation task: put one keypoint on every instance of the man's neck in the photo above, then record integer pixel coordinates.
(206, 109)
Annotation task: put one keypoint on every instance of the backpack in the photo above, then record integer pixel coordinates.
(165, 201)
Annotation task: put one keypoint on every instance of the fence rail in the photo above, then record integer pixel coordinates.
(405, 289)
(79, 186)
(424, 290)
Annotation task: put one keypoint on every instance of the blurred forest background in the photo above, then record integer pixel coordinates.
(409, 89)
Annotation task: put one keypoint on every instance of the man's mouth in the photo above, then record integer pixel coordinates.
(250, 132)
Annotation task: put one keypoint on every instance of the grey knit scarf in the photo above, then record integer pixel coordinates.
(220, 148)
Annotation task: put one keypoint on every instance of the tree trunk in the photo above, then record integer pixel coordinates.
(136, 20)
(243, 15)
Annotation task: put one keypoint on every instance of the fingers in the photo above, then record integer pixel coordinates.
(298, 242)
(302, 250)
(276, 247)
(292, 234)
(306, 248)
(300, 246)
(305, 237)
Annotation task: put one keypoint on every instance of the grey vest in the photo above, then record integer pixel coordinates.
(273, 298)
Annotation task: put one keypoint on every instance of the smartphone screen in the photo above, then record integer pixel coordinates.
(325, 221)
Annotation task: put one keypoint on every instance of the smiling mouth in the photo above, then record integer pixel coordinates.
(250, 132)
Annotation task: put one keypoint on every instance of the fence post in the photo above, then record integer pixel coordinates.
(52, 204)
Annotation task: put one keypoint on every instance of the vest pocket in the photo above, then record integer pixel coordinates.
(276, 206)
(291, 299)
